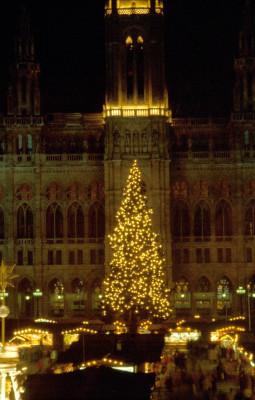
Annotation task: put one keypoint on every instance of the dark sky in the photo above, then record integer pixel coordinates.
(201, 42)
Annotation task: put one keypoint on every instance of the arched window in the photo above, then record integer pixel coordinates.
(222, 189)
(140, 67)
(29, 143)
(1, 223)
(201, 189)
(249, 219)
(25, 222)
(180, 189)
(202, 220)
(54, 191)
(19, 144)
(96, 221)
(223, 219)
(24, 192)
(135, 67)
(54, 221)
(96, 191)
(181, 222)
(25, 298)
(182, 294)
(75, 221)
(224, 295)
(130, 66)
(203, 285)
(75, 191)
(56, 289)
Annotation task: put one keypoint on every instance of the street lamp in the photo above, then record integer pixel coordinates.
(37, 294)
(241, 291)
(224, 295)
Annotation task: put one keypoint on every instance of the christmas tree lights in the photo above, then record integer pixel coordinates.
(136, 282)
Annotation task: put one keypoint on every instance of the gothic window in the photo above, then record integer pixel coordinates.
(56, 289)
(249, 219)
(181, 223)
(29, 143)
(202, 220)
(249, 188)
(224, 289)
(25, 192)
(130, 66)
(135, 67)
(140, 67)
(144, 143)
(25, 222)
(75, 191)
(182, 295)
(77, 286)
(54, 191)
(54, 221)
(223, 219)
(96, 221)
(75, 221)
(96, 191)
(203, 285)
(25, 298)
(200, 143)
(180, 189)
(1, 223)
(201, 189)
(246, 140)
(222, 189)
(19, 144)
(184, 143)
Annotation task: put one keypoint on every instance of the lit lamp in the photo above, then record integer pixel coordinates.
(37, 294)
(241, 291)
(226, 308)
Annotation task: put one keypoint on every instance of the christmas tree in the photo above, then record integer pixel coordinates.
(135, 286)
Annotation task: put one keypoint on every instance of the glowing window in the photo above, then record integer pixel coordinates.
(180, 189)
(140, 40)
(201, 189)
(129, 40)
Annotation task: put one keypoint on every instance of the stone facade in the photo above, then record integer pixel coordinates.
(62, 175)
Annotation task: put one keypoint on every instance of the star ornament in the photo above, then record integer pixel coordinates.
(6, 275)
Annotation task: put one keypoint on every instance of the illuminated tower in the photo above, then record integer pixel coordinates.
(244, 89)
(23, 93)
(136, 107)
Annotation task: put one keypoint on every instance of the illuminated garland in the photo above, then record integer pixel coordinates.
(78, 330)
(136, 280)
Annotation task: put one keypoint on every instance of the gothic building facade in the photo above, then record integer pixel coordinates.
(62, 175)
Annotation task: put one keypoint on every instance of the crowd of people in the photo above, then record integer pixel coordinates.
(222, 374)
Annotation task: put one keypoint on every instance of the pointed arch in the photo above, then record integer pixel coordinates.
(96, 220)
(203, 285)
(75, 221)
(54, 221)
(25, 222)
(202, 220)
(223, 219)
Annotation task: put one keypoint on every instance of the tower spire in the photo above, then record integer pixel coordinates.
(23, 92)
(244, 67)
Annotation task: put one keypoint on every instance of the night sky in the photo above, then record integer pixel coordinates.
(200, 40)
